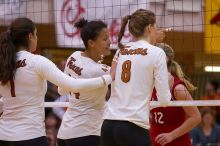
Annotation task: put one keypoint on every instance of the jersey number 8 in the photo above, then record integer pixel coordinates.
(126, 71)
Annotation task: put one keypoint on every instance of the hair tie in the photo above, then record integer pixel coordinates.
(129, 17)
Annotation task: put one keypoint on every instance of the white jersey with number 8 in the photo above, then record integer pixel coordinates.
(140, 67)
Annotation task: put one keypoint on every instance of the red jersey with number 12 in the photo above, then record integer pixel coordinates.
(166, 119)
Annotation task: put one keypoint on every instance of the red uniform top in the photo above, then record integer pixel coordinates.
(166, 119)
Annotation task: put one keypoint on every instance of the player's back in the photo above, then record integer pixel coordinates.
(166, 119)
(138, 64)
(23, 112)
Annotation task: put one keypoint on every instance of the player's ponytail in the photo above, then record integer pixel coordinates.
(122, 30)
(7, 57)
(176, 69)
(10, 42)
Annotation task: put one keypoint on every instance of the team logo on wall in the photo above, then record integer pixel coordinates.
(68, 12)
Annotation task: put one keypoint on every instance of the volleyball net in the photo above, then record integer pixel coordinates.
(153, 103)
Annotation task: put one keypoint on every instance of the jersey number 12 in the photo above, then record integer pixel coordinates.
(158, 117)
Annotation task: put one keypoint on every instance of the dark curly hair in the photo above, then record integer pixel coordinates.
(89, 30)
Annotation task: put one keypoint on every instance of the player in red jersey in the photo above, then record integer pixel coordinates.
(170, 125)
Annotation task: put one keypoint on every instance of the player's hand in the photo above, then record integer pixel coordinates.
(161, 34)
(164, 138)
(113, 69)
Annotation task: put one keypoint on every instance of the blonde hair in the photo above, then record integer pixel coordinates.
(177, 70)
(174, 66)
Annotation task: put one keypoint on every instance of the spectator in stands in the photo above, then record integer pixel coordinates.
(52, 123)
(211, 94)
(208, 134)
(211, 91)
(218, 90)
(51, 137)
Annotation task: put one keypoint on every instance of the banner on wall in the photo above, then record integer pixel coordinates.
(67, 12)
(212, 27)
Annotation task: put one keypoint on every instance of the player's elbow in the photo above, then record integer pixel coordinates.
(195, 117)
(199, 119)
(165, 100)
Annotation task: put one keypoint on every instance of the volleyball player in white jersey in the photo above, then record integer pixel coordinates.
(140, 67)
(81, 124)
(23, 85)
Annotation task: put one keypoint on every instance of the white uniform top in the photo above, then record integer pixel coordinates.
(23, 98)
(84, 115)
(140, 67)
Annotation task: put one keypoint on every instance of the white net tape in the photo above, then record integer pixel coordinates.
(154, 103)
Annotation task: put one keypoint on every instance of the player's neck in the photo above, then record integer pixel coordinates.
(147, 39)
(20, 49)
(91, 54)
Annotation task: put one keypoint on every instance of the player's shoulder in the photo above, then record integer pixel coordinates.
(145, 44)
(29, 58)
(31, 62)
(24, 54)
(87, 66)
(99, 69)
(156, 49)
(177, 80)
(39, 58)
(105, 68)
(75, 60)
(76, 54)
